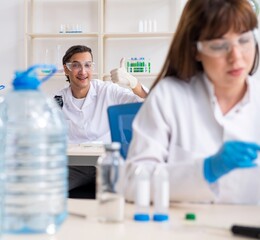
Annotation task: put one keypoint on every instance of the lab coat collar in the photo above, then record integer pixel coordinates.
(220, 118)
(210, 88)
(91, 96)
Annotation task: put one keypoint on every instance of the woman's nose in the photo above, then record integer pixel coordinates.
(235, 53)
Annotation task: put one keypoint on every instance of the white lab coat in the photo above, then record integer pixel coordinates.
(181, 123)
(90, 123)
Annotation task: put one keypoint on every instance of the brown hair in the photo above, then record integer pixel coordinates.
(205, 20)
(73, 50)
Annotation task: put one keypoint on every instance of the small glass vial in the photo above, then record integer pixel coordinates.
(142, 194)
(150, 25)
(62, 28)
(161, 194)
(154, 25)
(141, 26)
(110, 198)
(145, 25)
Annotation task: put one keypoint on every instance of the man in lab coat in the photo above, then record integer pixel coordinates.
(84, 103)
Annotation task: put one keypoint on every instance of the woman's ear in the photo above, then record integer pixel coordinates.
(196, 54)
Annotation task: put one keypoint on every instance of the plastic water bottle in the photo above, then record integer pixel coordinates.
(35, 158)
(109, 192)
(161, 194)
(142, 194)
(2, 147)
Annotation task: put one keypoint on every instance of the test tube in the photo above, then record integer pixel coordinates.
(141, 26)
(62, 28)
(154, 25)
(161, 194)
(46, 61)
(145, 25)
(150, 28)
(58, 58)
(142, 194)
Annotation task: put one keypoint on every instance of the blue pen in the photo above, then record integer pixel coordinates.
(2, 87)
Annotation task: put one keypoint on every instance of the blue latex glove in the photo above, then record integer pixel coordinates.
(232, 155)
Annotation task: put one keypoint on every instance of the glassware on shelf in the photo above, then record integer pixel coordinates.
(138, 65)
(58, 59)
(70, 28)
(149, 25)
(46, 61)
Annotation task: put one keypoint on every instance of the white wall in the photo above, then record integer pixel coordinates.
(12, 45)
(11, 40)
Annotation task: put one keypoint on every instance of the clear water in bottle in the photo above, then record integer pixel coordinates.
(111, 207)
(110, 194)
(36, 160)
(2, 138)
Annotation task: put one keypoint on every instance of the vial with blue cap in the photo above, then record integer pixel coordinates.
(161, 193)
(142, 193)
(35, 157)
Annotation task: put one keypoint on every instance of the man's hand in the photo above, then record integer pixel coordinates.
(121, 76)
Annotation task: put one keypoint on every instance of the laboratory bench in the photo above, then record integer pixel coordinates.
(211, 222)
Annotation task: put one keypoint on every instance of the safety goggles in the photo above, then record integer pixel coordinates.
(221, 47)
(78, 66)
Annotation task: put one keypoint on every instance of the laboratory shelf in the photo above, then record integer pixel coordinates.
(62, 35)
(111, 28)
(139, 35)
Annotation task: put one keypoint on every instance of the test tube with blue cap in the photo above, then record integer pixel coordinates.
(142, 194)
(161, 194)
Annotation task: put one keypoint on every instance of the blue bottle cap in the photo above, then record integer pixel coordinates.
(157, 217)
(24, 80)
(142, 217)
(28, 80)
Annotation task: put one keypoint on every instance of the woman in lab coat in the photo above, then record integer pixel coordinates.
(201, 117)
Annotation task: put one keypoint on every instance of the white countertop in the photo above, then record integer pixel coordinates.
(212, 222)
(87, 149)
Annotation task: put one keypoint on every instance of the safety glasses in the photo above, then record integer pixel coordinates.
(221, 47)
(78, 66)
